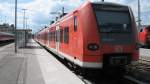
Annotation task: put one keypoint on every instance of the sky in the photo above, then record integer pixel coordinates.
(38, 13)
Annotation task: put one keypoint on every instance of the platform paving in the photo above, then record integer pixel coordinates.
(33, 65)
(145, 54)
(10, 65)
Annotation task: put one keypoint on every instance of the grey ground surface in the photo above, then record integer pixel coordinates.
(33, 65)
(10, 65)
(145, 54)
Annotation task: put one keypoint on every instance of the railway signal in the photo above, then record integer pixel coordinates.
(62, 13)
(139, 15)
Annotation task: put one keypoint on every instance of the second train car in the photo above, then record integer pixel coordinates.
(6, 37)
(144, 37)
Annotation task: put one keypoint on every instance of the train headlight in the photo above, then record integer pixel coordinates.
(93, 46)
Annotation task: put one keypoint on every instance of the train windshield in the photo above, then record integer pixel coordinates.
(113, 21)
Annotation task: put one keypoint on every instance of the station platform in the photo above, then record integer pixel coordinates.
(33, 65)
(145, 54)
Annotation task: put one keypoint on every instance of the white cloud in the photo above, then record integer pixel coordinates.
(39, 10)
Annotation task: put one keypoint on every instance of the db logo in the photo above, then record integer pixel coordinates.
(119, 49)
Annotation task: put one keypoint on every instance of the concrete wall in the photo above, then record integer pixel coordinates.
(23, 37)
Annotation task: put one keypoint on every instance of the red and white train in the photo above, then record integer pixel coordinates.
(94, 36)
(144, 36)
(5, 37)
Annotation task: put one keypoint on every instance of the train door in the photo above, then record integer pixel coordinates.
(57, 38)
(75, 34)
(48, 38)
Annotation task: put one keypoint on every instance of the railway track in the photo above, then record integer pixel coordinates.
(143, 68)
(127, 79)
(140, 71)
(106, 80)
(100, 78)
(143, 65)
(133, 80)
(5, 43)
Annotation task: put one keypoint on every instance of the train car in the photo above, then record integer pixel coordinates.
(5, 37)
(144, 37)
(97, 35)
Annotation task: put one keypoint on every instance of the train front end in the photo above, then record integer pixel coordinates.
(144, 37)
(110, 36)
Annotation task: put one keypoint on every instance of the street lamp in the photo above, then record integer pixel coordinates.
(139, 15)
(24, 22)
(99, 0)
(15, 26)
(24, 17)
(5, 19)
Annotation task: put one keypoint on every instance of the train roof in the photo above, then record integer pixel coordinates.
(4, 33)
(109, 3)
(78, 8)
(96, 3)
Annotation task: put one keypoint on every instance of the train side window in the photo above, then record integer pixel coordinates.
(66, 35)
(61, 35)
(53, 36)
(49, 36)
(55, 39)
(56, 36)
(75, 23)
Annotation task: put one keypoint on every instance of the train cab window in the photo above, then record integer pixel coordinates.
(61, 35)
(113, 21)
(75, 23)
(141, 30)
(66, 35)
